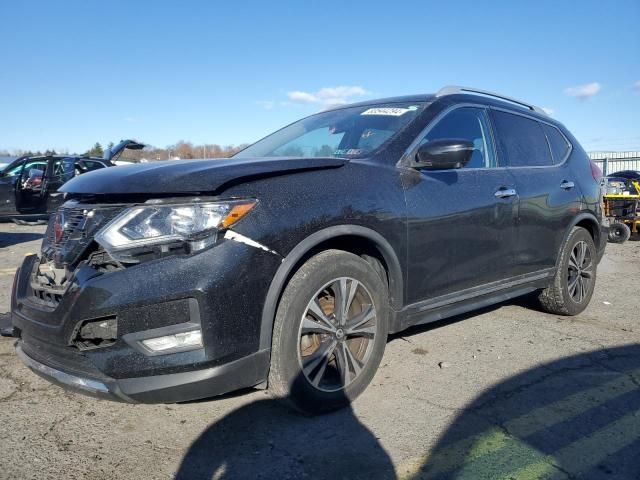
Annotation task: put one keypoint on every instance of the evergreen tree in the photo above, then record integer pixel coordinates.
(96, 151)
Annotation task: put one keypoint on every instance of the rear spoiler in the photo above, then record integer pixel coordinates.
(113, 153)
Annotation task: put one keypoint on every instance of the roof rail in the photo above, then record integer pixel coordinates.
(453, 89)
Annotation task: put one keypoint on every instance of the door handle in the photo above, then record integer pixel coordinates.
(567, 185)
(505, 192)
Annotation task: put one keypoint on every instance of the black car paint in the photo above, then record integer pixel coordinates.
(629, 174)
(446, 243)
(180, 177)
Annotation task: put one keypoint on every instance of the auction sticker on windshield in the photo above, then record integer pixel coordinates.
(390, 111)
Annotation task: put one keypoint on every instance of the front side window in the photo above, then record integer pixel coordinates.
(34, 165)
(352, 132)
(467, 123)
(29, 164)
(521, 141)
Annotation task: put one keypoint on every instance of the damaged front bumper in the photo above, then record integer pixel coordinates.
(168, 388)
(220, 290)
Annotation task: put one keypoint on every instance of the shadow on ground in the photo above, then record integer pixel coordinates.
(266, 439)
(578, 417)
(8, 239)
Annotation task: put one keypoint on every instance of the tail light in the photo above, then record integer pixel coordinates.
(596, 172)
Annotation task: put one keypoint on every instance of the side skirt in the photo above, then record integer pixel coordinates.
(470, 299)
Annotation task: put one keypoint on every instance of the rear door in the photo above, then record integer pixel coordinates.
(461, 222)
(536, 154)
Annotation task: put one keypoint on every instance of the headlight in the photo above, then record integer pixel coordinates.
(147, 225)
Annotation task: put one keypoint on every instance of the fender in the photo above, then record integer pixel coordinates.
(585, 215)
(300, 250)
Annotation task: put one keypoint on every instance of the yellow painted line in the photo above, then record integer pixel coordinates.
(573, 405)
(7, 271)
(468, 450)
(586, 453)
(536, 471)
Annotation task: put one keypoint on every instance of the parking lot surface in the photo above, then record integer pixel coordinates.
(508, 392)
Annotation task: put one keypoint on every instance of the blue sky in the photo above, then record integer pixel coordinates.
(76, 72)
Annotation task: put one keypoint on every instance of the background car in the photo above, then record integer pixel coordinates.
(29, 185)
(631, 174)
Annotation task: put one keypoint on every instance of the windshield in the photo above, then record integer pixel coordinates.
(347, 132)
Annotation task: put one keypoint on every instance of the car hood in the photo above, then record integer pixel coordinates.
(189, 176)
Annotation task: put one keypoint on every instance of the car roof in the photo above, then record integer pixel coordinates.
(380, 101)
(461, 97)
(46, 157)
(626, 172)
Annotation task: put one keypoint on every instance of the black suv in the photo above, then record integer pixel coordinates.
(29, 185)
(288, 265)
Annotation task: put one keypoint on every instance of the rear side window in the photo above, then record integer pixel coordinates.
(521, 141)
(90, 165)
(63, 169)
(559, 145)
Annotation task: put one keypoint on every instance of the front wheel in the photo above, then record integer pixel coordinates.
(329, 333)
(575, 278)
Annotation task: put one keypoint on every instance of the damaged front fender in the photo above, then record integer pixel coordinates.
(238, 237)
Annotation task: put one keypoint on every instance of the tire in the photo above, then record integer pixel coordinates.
(19, 221)
(575, 279)
(619, 232)
(328, 340)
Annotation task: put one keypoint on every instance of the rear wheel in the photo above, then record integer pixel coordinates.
(619, 232)
(329, 333)
(575, 278)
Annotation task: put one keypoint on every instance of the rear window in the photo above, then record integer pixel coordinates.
(521, 141)
(558, 143)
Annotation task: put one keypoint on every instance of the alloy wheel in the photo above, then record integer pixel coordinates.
(580, 272)
(337, 334)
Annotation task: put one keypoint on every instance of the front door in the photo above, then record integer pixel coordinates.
(461, 222)
(30, 184)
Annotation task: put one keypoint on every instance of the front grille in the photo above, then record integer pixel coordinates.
(72, 220)
(67, 242)
(46, 296)
(71, 230)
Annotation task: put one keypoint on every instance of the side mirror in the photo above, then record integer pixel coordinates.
(444, 154)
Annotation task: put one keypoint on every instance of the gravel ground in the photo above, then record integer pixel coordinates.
(508, 392)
